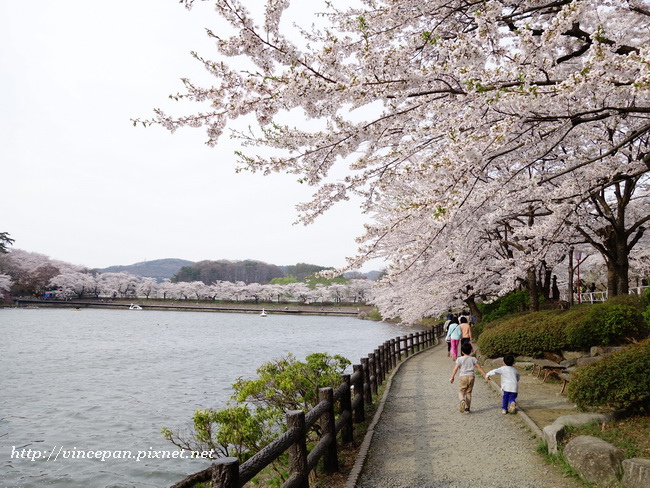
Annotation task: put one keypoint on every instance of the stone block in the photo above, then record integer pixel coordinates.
(568, 363)
(551, 356)
(497, 362)
(597, 351)
(595, 460)
(568, 355)
(554, 433)
(586, 361)
(636, 473)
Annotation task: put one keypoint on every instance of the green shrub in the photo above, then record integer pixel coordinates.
(614, 322)
(645, 298)
(531, 334)
(375, 315)
(528, 335)
(513, 302)
(620, 381)
(645, 301)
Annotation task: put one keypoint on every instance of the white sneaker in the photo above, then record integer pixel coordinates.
(512, 408)
(462, 406)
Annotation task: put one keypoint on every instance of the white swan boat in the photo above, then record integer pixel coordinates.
(135, 307)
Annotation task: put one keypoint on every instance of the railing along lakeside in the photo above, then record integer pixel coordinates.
(352, 397)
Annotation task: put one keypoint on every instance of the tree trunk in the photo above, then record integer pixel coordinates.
(532, 289)
(473, 308)
(570, 277)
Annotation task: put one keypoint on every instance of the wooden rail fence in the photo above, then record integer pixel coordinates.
(352, 396)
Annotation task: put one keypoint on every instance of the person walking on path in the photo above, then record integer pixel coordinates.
(465, 331)
(465, 366)
(509, 384)
(454, 335)
(417, 441)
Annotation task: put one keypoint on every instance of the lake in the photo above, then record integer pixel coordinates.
(100, 383)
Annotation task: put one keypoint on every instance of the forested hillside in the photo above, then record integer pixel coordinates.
(248, 271)
(159, 269)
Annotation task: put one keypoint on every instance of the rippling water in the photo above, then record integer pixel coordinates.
(109, 380)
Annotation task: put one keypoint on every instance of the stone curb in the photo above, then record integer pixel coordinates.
(360, 461)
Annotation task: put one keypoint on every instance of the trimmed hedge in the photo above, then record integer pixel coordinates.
(524, 335)
(620, 381)
(615, 322)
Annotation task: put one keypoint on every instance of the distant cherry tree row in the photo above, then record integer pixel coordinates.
(36, 274)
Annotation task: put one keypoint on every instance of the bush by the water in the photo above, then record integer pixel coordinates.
(620, 381)
(614, 322)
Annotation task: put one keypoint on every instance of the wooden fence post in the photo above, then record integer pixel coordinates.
(367, 392)
(387, 359)
(393, 358)
(411, 346)
(406, 346)
(328, 426)
(360, 409)
(373, 373)
(225, 473)
(298, 450)
(347, 431)
(380, 373)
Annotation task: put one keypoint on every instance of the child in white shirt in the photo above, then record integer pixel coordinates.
(509, 384)
(465, 366)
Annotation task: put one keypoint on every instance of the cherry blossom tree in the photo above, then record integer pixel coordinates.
(5, 283)
(491, 111)
(32, 272)
(119, 284)
(147, 287)
(74, 284)
(613, 221)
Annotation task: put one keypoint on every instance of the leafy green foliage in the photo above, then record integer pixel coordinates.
(620, 381)
(288, 384)
(255, 415)
(513, 302)
(284, 281)
(302, 270)
(646, 305)
(314, 280)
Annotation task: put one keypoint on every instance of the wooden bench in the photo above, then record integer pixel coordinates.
(547, 367)
(565, 377)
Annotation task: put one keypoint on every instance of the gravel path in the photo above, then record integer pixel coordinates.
(421, 440)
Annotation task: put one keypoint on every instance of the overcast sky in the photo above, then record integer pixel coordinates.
(82, 185)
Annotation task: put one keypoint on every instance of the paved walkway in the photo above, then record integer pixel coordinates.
(419, 439)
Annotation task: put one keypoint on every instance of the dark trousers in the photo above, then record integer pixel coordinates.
(508, 398)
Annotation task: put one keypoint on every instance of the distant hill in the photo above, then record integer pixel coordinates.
(160, 269)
